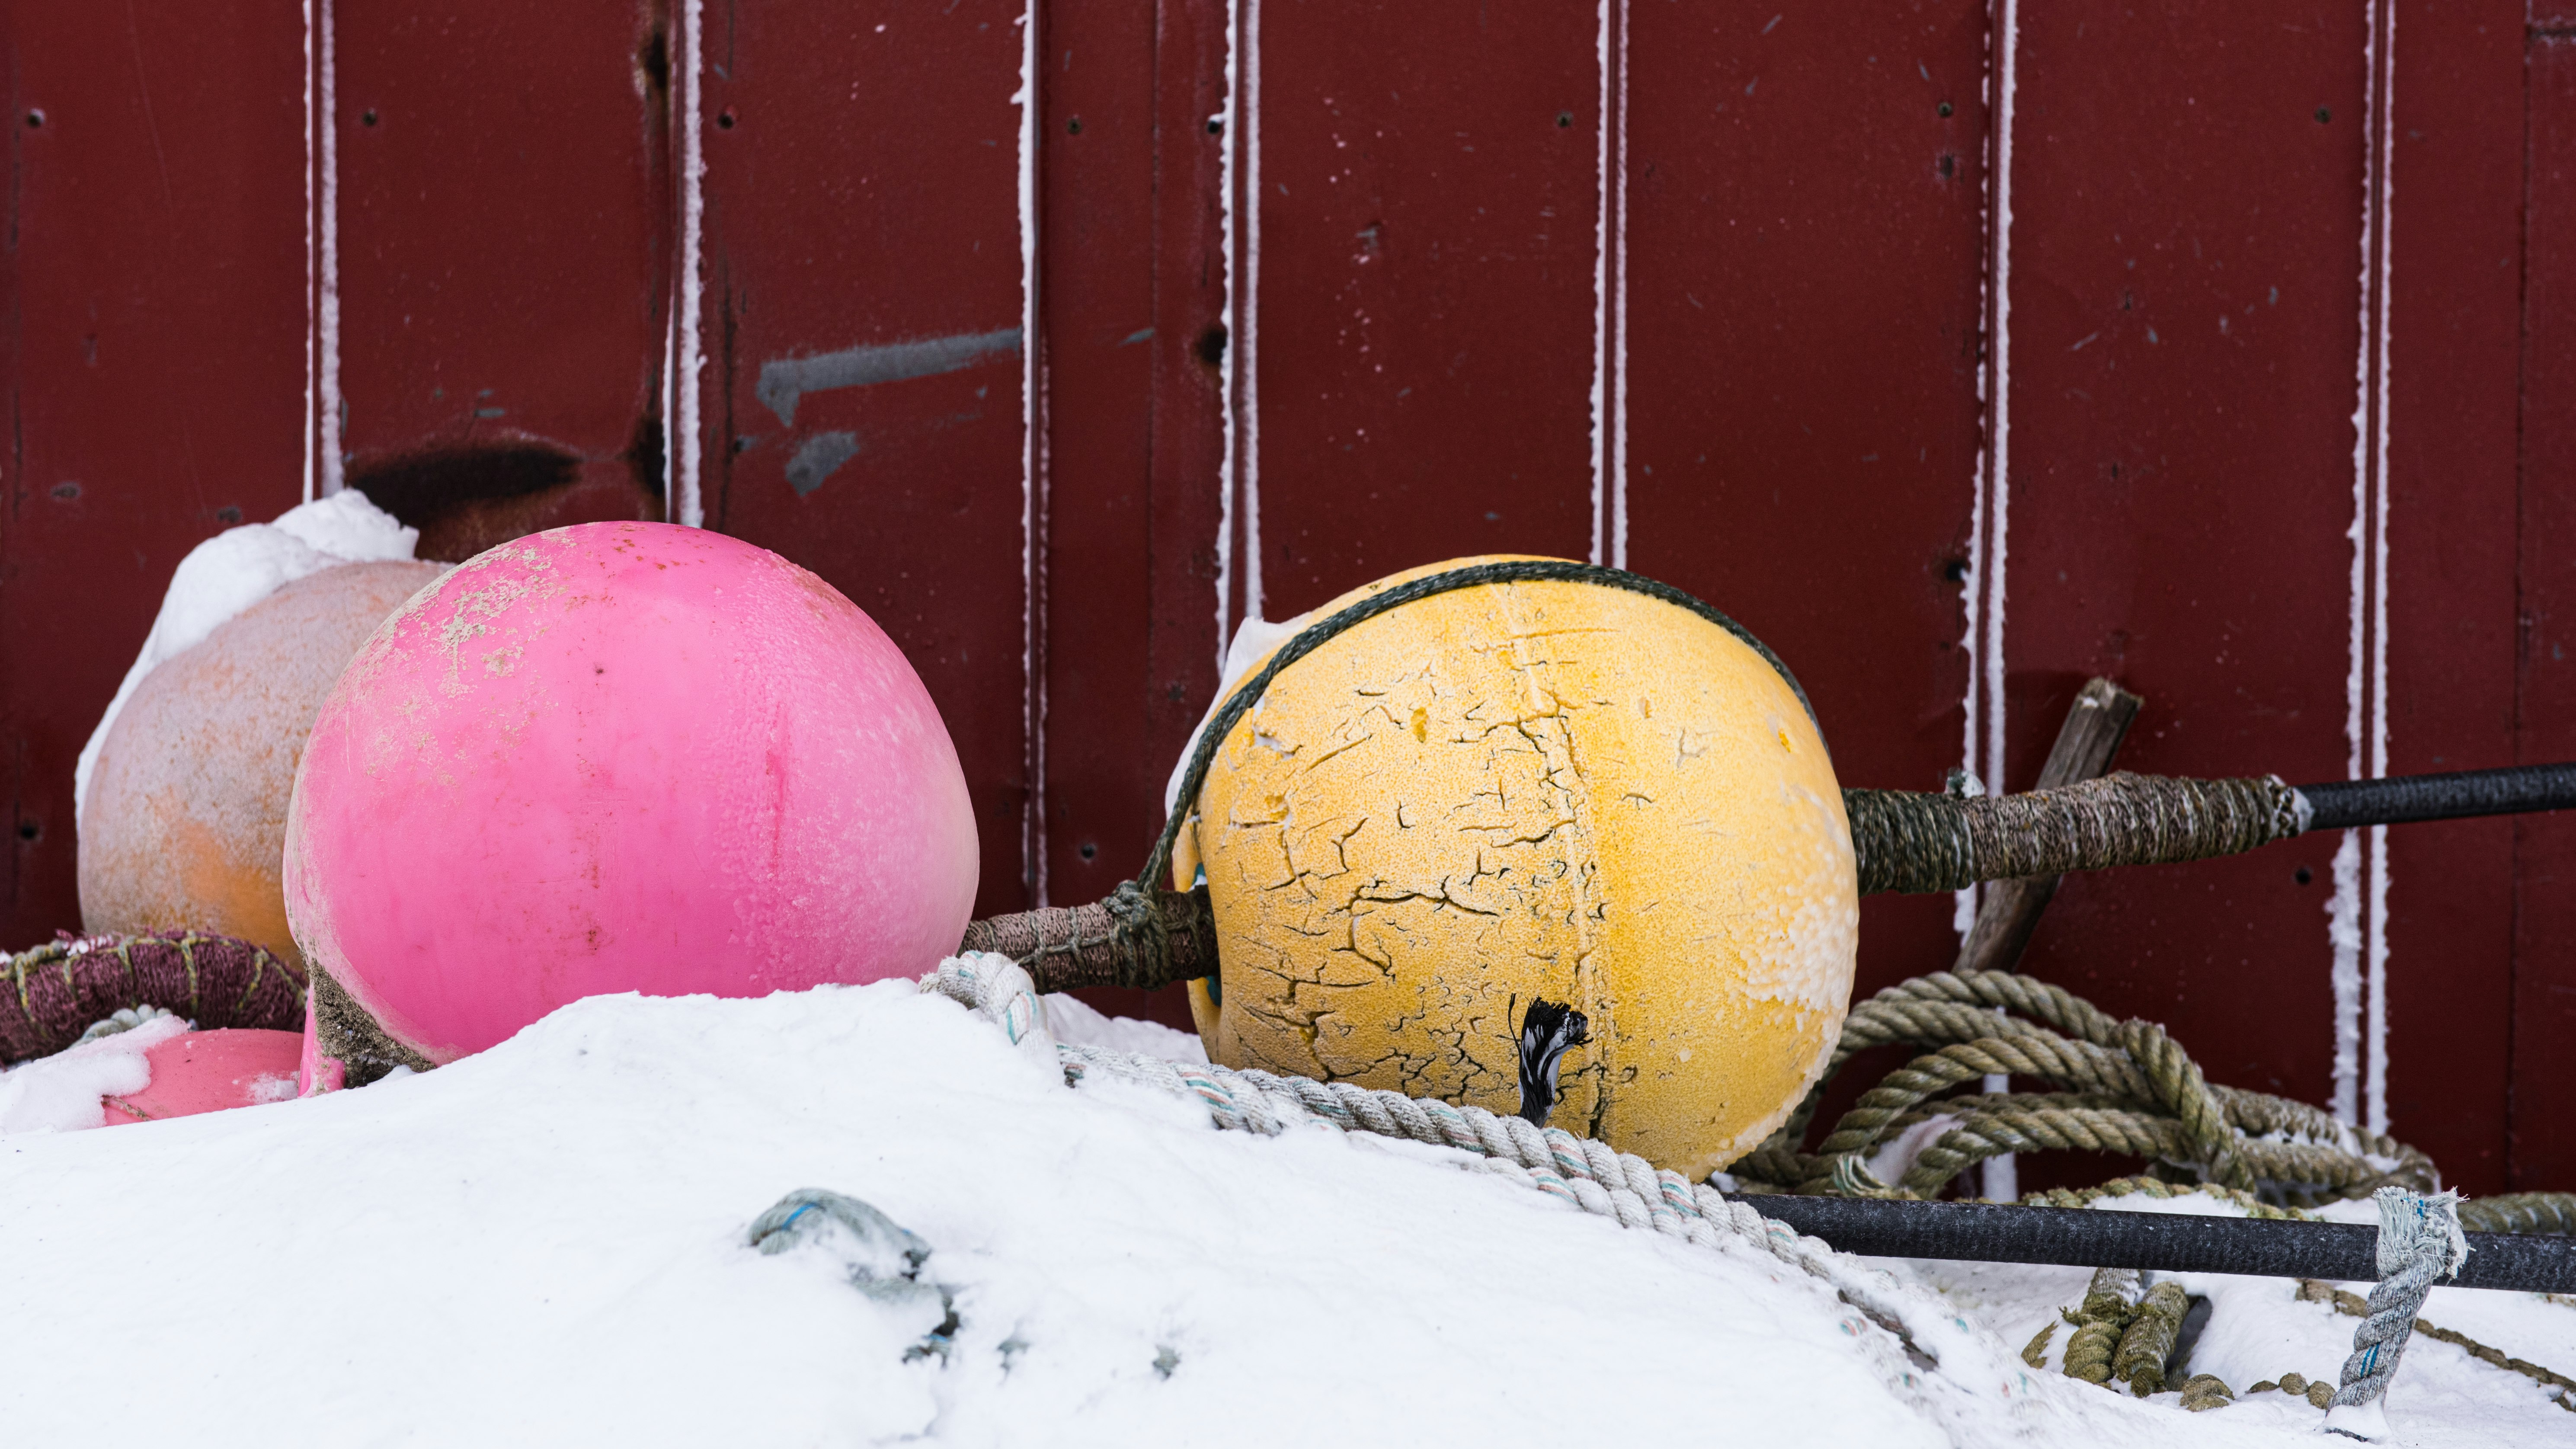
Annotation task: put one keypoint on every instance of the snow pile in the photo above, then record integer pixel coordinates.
(1075, 1021)
(62, 1092)
(237, 568)
(544, 1244)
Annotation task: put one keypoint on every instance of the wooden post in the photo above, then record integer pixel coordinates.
(2009, 910)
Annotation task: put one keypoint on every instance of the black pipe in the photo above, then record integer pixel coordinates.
(2166, 1242)
(2511, 791)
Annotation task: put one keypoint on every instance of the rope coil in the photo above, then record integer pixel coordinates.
(2126, 1087)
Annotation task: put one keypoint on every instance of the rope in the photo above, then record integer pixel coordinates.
(53, 993)
(2419, 1243)
(2126, 1087)
(2156, 1187)
(2521, 1212)
(2149, 1339)
(1945, 842)
(1138, 937)
(2110, 1302)
(1588, 1174)
(2312, 1290)
(2121, 1334)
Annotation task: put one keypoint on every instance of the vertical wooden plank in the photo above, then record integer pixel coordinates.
(504, 240)
(153, 362)
(1096, 170)
(2455, 343)
(2184, 318)
(1189, 348)
(1127, 229)
(1427, 188)
(1805, 247)
(2544, 1018)
(864, 317)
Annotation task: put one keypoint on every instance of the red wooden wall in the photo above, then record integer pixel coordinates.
(1960, 349)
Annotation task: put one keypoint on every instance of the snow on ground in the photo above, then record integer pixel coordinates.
(543, 1244)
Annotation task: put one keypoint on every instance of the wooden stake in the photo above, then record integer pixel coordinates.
(2086, 744)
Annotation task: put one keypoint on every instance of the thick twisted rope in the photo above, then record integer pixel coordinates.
(2419, 1243)
(2149, 1339)
(2562, 1388)
(2128, 1088)
(2520, 1212)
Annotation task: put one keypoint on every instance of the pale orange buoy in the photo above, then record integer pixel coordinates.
(1538, 789)
(185, 823)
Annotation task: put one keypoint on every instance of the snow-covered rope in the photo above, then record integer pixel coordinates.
(2419, 1242)
(1585, 1173)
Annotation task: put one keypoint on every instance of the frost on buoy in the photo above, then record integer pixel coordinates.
(184, 823)
(1534, 790)
(617, 757)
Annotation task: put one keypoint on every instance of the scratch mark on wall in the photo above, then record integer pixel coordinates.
(784, 380)
(817, 459)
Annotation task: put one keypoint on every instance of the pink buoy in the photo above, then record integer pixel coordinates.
(616, 757)
(209, 1071)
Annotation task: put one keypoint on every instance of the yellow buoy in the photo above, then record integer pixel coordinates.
(1547, 789)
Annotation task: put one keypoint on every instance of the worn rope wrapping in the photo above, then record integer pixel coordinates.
(1136, 938)
(1940, 842)
(54, 992)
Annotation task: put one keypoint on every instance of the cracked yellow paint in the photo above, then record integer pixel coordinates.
(1534, 789)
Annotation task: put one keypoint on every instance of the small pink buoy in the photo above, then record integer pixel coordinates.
(616, 757)
(209, 1071)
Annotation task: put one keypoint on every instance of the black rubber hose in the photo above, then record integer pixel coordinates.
(2167, 1242)
(2517, 789)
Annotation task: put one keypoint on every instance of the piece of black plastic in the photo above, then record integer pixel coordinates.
(2166, 1242)
(2511, 791)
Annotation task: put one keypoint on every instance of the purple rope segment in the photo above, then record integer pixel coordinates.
(53, 993)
